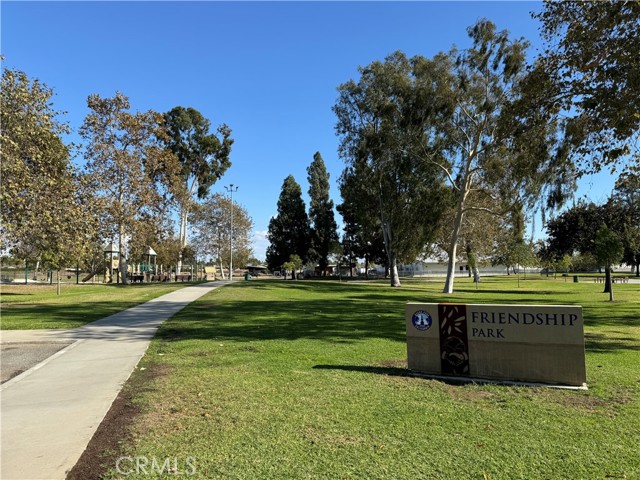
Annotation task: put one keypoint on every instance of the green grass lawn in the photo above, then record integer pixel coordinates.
(275, 380)
(26, 307)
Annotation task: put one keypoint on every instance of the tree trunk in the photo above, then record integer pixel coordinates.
(476, 274)
(471, 262)
(221, 268)
(453, 245)
(122, 260)
(391, 255)
(637, 269)
(184, 218)
(607, 281)
(58, 284)
(184, 213)
(451, 264)
(393, 271)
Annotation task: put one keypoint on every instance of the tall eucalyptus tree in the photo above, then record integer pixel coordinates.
(502, 142)
(203, 157)
(382, 119)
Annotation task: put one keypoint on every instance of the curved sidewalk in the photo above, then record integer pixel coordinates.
(50, 412)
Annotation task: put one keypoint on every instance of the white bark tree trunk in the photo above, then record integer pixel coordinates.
(35, 272)
(391, 255)
(122, 260)
(184, 219)
(393, 272)
(387, 236)
(184, 213)
(221, 268)
(453, 248)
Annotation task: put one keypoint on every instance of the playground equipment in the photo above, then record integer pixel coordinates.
(110, 249)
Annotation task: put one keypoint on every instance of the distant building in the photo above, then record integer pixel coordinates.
(256, 270)
(434, 267)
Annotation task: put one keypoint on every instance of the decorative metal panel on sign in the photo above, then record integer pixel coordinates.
(454, 345)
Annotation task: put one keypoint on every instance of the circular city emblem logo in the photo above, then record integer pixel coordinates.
(421, 320)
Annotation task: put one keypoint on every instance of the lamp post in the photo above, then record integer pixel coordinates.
(231, 188)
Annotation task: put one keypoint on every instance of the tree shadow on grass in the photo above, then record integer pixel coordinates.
(599, 343)
(245, 321)
(389, 371)
(24, 316)
(406, 373)
(357, 312)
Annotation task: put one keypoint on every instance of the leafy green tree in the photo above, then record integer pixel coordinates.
(495, 148)
(480, 235)
(523, 255)
(203, 157)
(254, 261)
(383, 122)
(626, 200)
(289, 230)
(167, 250)
(153, 229)
(608, 249)
(324, 231)
(510, 233)
(125, 159)
(564, 264)
(584, 262)
(593, 67)
(575, 230)
(211, 231)
(362, 233)
(45, 214)
(294, 265)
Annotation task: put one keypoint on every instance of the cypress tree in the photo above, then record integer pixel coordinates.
(288, 232)
(324, 235)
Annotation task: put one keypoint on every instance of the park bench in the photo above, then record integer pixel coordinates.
(613, 279)
(159, 278)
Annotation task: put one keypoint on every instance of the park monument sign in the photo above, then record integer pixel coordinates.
(522, 343)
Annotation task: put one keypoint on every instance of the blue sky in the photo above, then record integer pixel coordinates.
(267, 69)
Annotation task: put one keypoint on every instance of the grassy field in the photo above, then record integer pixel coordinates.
(272, 379)
(38, 306)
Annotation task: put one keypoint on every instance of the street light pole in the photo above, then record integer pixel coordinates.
(231, 188)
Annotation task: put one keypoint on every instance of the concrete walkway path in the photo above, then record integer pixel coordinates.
(50, 412)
